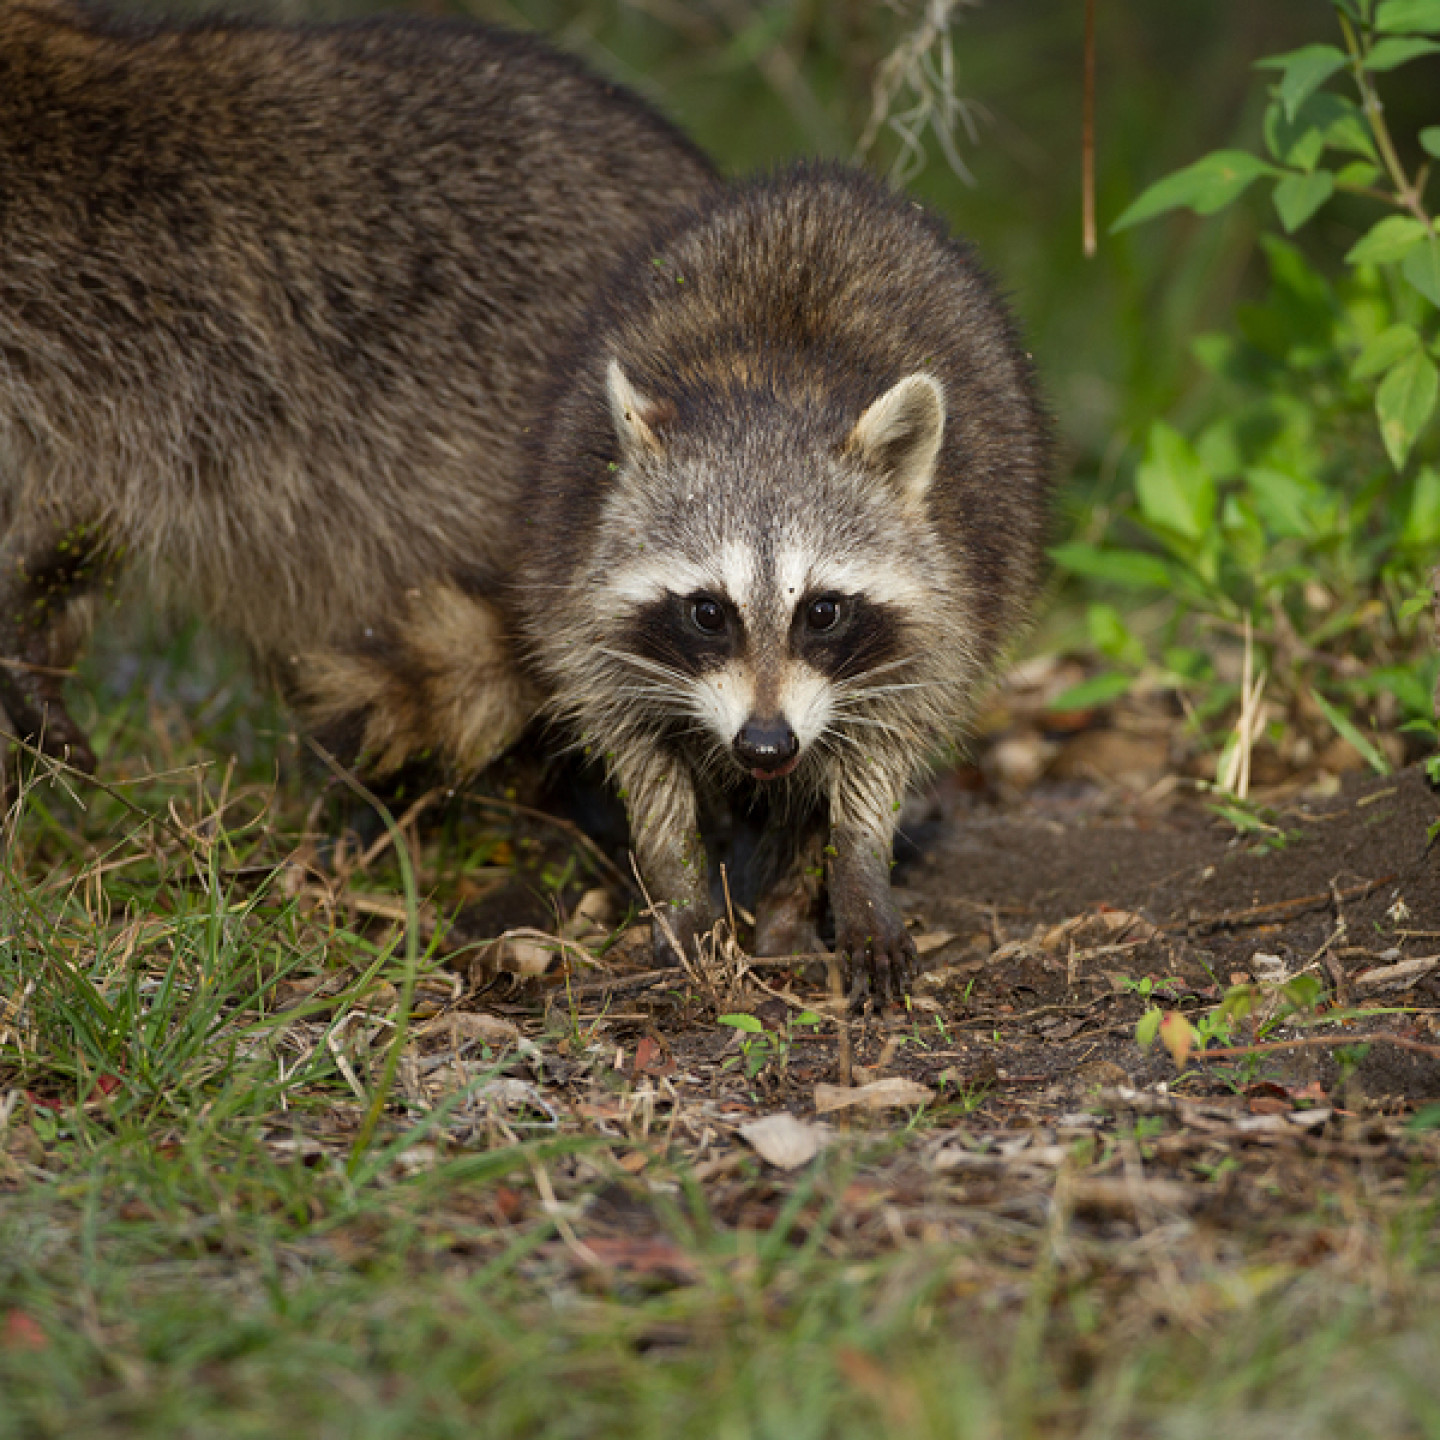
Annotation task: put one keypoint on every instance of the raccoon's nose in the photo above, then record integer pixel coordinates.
(767, 747)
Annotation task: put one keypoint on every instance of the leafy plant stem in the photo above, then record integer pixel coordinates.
(1406, 195)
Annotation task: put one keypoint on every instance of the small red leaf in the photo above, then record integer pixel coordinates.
(20, 1331)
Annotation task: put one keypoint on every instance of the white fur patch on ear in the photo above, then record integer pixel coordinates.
(900, 434)
(633, 414)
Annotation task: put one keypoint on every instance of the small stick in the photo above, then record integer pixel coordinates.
(1087, 137)
(1232, 1052)
(843, 1060)
(1257, 914)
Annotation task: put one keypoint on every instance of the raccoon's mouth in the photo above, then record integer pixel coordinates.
(777, 772)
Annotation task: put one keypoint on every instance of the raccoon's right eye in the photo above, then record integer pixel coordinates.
(708, 614)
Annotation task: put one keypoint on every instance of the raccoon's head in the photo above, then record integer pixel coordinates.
(772, 571)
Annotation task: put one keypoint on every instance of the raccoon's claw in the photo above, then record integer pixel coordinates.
(880, 964)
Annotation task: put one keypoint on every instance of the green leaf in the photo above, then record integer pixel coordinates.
(1422, 269)
(1387, 241)
(1388, 54)
(1404, 403)
(1293, 142)
(1430, 140)
(1347, 730)
(1324, 119)
(1096, 691)
(1349, 130)
(1112, 638)
(1405, 17)
(748, 1023)
(1284, 502)
(1422, 524)
(1305, 70)
(1132, 569)
(1385, 351)
(1147, 1028)
(1426, 1119)
(1175, 491)
(1298, 197)
(1208, 185)
(1360, 174)
(1412, 685)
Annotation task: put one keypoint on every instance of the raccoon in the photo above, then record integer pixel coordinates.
(784, 510)
(273, 301)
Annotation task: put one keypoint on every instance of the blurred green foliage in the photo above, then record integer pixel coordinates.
(1306, 510)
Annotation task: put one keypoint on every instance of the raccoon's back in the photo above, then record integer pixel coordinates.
(261, 283)
(820, 287)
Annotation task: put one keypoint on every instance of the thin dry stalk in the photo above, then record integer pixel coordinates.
(1087, 140)
(1234, 775)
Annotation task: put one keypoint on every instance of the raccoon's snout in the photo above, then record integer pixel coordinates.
(767, 747)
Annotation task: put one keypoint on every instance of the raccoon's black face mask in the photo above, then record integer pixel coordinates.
(763, 611)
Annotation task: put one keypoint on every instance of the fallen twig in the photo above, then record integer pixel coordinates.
(1258, 914)
(1231, 1052)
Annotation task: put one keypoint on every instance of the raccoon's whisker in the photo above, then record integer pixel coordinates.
(650, 692)
(874, 722)
(832, 742)
(903, 663)
(900, 687)
(643, 662)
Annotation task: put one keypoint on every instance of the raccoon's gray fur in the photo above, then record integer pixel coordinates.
(274, 302)
(785, 512)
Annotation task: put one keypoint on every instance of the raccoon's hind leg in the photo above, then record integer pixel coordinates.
(787, 908)
(438, 681)
(870, 933)
(43, 576)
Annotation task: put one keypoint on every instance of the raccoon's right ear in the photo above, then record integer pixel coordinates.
(899, 434)
(636, 417)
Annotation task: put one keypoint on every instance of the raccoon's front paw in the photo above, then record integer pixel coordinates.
(877, 954)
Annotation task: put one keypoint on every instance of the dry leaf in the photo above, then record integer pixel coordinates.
(1111, 925)
(878, 1095)
(594, 915)
(784, 1141)
(934, 940)
(1107, 1197)
(1397, 977)
(649, 1255)
(474, 1025)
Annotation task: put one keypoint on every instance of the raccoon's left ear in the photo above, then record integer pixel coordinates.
(635, 416)
(900, 434)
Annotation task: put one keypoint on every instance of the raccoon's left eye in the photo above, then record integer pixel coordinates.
(822, 614)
